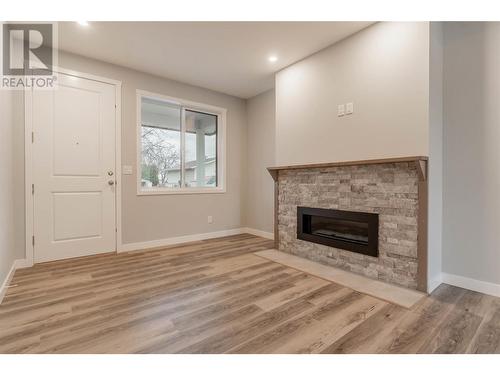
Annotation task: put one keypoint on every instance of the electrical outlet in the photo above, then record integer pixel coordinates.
(340, 110)
(210, 219)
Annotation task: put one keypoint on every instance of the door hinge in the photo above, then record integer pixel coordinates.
(32, 189)
(33, 240)
(32, 137)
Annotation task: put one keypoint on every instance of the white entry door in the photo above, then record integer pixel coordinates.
(74, 169)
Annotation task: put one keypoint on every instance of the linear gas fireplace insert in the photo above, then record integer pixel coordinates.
(348, 230)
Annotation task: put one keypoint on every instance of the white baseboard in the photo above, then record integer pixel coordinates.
(260, 233)
(472, 284)
(18, 263)
(179, 240)
(433, 283)
(192, 238)
(22, 263)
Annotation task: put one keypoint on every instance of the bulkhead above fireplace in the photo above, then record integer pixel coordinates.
(348, 230)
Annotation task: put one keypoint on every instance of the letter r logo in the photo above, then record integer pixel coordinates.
(27, 49)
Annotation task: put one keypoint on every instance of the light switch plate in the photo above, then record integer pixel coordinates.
(127, 170)
(349, 108)
(340, 110)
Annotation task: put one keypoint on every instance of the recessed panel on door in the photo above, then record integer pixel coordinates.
(77, 132)
(77, 215)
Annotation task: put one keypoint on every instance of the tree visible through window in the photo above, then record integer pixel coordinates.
(159, 157)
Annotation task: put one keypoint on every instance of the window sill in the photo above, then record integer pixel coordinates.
(181, 191)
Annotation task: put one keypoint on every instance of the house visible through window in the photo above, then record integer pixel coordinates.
(179, 147)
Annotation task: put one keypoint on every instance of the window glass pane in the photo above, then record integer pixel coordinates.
(200, 169)
(161, 144)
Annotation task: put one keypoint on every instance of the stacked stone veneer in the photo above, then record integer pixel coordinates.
(391, 190)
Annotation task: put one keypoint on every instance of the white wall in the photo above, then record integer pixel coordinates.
(471, 185)
(384, 70)
(435, 169)
(259, 202)
(7, 123)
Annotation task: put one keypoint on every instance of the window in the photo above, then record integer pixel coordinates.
(181, 146)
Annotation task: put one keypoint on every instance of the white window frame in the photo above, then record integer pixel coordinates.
(221, 145)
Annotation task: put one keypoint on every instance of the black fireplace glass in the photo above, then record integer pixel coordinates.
(345, 230)
(348, 230)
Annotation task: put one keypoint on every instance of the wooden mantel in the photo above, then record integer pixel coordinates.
(421, 164)
(420, 161)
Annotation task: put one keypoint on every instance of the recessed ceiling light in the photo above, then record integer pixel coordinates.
(273, 58)
(83, 23)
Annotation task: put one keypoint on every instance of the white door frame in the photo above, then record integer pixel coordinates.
(28, 160)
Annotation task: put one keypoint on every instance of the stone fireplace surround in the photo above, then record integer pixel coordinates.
(395, 188)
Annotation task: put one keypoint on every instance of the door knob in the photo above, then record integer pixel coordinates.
(110, 173)
(111, 182)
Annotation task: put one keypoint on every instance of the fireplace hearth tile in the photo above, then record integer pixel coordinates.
(388, 292)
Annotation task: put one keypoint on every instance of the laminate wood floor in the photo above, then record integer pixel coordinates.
(216, 296)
